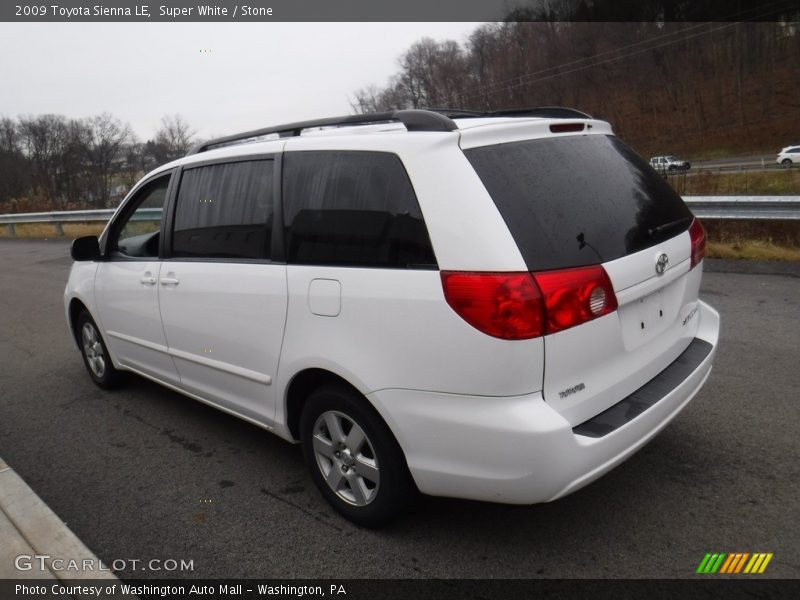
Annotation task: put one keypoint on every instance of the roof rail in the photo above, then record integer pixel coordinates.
(552, 112)
(414, 120)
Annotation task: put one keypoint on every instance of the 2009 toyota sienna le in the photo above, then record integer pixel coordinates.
(497, 306)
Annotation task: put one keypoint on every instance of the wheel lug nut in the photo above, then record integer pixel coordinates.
(344, 468)
(337, 454)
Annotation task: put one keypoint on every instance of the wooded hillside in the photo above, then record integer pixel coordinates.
(51, 162)
(696, 89)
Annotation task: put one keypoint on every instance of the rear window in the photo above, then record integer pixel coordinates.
(578, 200)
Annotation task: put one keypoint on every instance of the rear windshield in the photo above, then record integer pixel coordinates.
(578, 200)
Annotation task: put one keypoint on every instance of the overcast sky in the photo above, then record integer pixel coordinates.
(249, 75)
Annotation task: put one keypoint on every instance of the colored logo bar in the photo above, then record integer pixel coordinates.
(734, 562)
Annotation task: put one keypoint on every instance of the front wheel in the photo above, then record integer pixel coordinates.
(95, 355)
(353, 457)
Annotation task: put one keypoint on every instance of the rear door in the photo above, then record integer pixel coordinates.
(572, 201)
(223, 299)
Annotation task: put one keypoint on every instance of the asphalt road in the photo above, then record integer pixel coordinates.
(738, 162)
(145, 473)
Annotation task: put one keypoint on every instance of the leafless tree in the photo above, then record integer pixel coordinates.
(175, 137)
(14, 172)
(366, 100)
(105, 146)
(44, 140)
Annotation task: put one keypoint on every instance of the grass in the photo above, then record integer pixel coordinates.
(718, 153)
(48, 230)
(752, 250)
(753, 240)
(780, 182)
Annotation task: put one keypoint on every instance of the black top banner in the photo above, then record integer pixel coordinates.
(407, 10)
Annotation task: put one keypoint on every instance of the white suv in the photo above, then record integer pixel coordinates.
(666, 164)
(498, 307)
(789, 156)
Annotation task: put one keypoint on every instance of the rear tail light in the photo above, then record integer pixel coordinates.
(698, 237)
(503, 305)
(518, 306)
(574, 296)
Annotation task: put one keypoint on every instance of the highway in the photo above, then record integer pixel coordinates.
(144, 473)
(734, 164)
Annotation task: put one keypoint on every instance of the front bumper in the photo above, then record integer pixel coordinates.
(517, 449)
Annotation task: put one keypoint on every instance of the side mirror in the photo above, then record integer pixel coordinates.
(85, 248)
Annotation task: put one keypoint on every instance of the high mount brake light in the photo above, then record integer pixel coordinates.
(518, 306)
(698, 236)
(567, 127)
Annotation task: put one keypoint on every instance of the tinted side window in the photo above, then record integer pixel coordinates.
(225, 211)
(352, 209)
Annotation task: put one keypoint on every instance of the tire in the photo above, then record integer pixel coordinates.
(787, 162)
(95, 354)
(365, 479)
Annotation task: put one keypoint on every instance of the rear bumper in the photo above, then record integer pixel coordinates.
(518, 449)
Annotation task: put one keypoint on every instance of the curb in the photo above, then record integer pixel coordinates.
(29, 527)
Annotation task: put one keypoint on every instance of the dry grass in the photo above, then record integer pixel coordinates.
(48, 230)
(75, 230)
(753, 240)
(736, 232)
(783, 182)
(752, 250)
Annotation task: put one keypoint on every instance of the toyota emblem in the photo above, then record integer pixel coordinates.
(661, 263)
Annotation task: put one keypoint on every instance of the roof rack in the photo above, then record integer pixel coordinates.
(551, 112)
(430, 119)
(414, 120)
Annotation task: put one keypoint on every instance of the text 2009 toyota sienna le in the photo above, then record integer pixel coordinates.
(500, 307)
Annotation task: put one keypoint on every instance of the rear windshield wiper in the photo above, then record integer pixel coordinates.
(667, 226)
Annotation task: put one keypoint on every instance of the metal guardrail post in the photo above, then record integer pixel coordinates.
(59, 229)
(10, 229)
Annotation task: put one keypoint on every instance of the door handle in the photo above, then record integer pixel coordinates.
(148, 280)
(169, 281)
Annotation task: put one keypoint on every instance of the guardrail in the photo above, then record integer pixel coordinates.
(58, 218)
(705, 207)
(730, 169)
(745, 207)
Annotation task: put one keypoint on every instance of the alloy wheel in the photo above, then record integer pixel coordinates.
(93, 350)
(346, 458)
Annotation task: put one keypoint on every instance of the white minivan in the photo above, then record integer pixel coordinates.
(499, 306)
